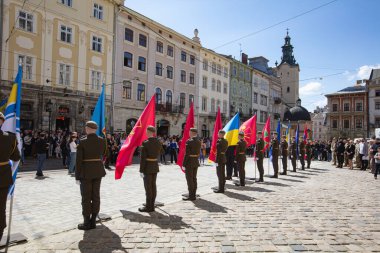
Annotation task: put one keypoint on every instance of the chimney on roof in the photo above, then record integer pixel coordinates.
(244, 58)
(358, 82)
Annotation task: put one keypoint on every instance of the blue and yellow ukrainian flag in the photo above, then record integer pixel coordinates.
(12, 120)
(288, 133)
(232, 130)
(99, 115)
(3, 105)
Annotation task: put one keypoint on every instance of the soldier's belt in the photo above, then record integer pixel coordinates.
(241, 153)
(222, 153)
(92, 160)
(193, 155)
(151, 159)
(4, 163)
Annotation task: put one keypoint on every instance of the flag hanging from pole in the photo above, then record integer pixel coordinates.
(249, 129)
(232, 130)
(266, 134)
(288, 132)
(3, 105)
(186, 135)
(99, 114)
(305, 133)
(278, 130)
(12, 120)
(136, 137)
(217, 127)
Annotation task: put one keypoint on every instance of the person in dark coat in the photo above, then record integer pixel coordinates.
(191, 163)
(340, 148)
(275, 153)
(42, 147)
(302, 152)
(260, 156)
(284, 154)
(220, 160)
(241, 149)
(293, 153)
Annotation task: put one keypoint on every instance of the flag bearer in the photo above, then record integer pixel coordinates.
(191, 163)
(241, 158)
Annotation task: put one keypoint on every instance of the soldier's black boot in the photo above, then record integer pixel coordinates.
(86, 223)
(93, 221)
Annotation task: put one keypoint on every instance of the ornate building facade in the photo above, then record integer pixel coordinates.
(373, 90)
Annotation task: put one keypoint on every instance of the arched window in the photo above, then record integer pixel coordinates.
(158, 96)
(212, 105)
(288, 89)
(169, 97)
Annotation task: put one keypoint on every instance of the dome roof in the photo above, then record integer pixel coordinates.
(297, 113)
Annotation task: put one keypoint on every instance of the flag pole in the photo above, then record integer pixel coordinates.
(9, 224)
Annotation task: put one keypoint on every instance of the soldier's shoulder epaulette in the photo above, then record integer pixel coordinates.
(146, 141)
(101, 138)
(83, 138)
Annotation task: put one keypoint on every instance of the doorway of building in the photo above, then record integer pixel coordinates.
(62, 123)
(163, 127)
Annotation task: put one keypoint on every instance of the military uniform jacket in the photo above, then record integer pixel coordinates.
(9, 151)
(284, 148)
(193, 149)
(240, 151)
(221, 148)
(275, 147)
(293, 149)
(260, 148)
(302, 148)
(150, 150)
(89, 164)
(308, 149)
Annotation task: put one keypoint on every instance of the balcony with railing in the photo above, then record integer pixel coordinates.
(169, 108)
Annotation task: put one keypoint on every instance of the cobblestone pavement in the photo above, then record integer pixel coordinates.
(321, 209)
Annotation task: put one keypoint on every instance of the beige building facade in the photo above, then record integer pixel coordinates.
(373, 89)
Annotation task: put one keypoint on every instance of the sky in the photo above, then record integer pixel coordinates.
(334, 45)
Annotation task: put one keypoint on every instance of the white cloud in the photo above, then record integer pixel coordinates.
(312, 88)
(362, 73)
(321, 103)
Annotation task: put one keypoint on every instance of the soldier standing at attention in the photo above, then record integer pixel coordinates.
(293, 153)
(9, 151)
(241, 158)
(89, 172)
(275, 150)
(301, 151)
(150, 150)
(309, 152)
(191, 163)
(284, 154)
(260, 156)
(221, 147)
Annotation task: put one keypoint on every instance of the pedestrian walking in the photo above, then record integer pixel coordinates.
(191, 163)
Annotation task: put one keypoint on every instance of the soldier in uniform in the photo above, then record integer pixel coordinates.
(150, 150)
(284, 154)
(191, 163)
(89, 172)
(230, 156)
(309, 152)
(241, 158)
(293, 153)
(275, 150)
(9, 151)
(221, 147)
(301, 151)
(260, 156)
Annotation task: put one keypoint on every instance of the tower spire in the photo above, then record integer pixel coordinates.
(287, 51)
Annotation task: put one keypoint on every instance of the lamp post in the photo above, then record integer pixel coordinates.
(49, 107)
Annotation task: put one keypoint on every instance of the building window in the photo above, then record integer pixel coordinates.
(158, 69)
(225, 88)
(182, 98)
(218, 86)
(141, 92)
(170, 51)
(346, 107)
(192, 78)
(191, 99)
(204, 82)
(359, 107)
(346, 124)
(247, 75)
(27, 66)
(359, 123)
(64, 74)
(160, 47)
(335, 123)
(183, 76)
(128, 59)
(127, 90)
(217, 104)
(263, 100)
(234, 71)
(212, 105)
(213, 84)
(255, 98)
(213, 68)
(377, 93)
(219, 69)
(377, 122)
(68, 3)
(158, 96)
(262, 116)
(335, 108)
(25, 21)
(205, 65)
(169, 97)
(66, 34)
(224, 106)
(183, 56)
(96, 78)
(97, 44)
(98, 11)
(192, 59)
(128, 34)
(204, 104)
(225, 72)
(142, 40)
(169, 72)
(288, 89)
(377, 105)
(142, 63)
(241, 73)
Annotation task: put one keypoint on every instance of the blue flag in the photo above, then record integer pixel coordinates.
(279, 130)
(232, 130)
(99, 115)
(297, 137)
(12, 120)
(270, 154)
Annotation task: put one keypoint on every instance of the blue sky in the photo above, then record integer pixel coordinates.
(341, 39)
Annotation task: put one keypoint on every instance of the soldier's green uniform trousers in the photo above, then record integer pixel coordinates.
(90, 190)
(191, 178)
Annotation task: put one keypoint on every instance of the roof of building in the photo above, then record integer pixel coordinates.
(350, 89)
(375, 74)
(297, 113)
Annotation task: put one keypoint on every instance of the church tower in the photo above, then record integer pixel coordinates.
(288, 71)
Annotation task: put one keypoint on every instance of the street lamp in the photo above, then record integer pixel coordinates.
(49, 107)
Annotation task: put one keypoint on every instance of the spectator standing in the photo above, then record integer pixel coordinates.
(377, 161)
(42, 147)
(173, 150)
(73, 152)
(363, 152)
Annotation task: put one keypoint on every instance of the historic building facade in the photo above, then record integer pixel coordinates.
(347, 113)
(373, 90)
(152, 59)
(213, 92)
(66, 50)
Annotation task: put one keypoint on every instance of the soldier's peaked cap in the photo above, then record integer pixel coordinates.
(194, 130)
(259, 132)
(151, 129)
(274, 133)
(92, 125)
(221, 131)
(284, 136)
(241, 133)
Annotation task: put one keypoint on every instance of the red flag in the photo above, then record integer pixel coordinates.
(249, 129)
(266, 134)
(186, 136)
(305, 133)
(135, 138)
(217, 127)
